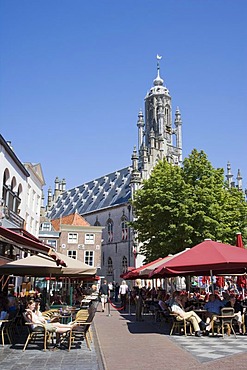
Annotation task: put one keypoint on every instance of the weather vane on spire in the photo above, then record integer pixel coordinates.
(158, 57)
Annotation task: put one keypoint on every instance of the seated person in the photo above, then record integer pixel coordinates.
(191, 316)
(39, 314)
(32, 317)
(186, 303)
(238, 310)
(57, 301)
(213, 307)
(12, 302)
(162, 305)
(225, 298)
(3, 312)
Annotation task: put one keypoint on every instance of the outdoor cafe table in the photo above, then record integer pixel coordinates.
(67, 315)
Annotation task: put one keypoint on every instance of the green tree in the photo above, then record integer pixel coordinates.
(161, 212)
(180, 207)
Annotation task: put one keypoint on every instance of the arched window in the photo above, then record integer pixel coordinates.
(11, 203)
(124, 227)
(18, 199)
(97, 223)
(124, 265)
(5, 186)
(109, 266)
(110, 230)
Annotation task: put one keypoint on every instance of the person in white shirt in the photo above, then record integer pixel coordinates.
(123, 291)
(191, 316)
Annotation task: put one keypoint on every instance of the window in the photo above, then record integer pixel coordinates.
(97, 223)
(124, 265)
(72, 238)
(109, 266)
(124, 229)
(72, 254)
(46, 226)
(110, 230)
(52, 243)
(89, 258)
(89, 238)
(11, 192)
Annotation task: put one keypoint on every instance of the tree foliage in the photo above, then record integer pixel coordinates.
(180, 207)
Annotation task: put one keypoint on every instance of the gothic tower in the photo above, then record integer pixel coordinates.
(156, 133)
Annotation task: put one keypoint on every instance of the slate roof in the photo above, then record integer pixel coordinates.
(106, 191)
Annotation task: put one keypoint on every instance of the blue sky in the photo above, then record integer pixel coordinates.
(74, 74)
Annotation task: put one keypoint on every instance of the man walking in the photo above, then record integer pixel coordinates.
(104, 294)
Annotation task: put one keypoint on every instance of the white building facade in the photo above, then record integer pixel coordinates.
(20, 191)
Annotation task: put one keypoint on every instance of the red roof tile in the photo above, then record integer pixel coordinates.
(74, 219)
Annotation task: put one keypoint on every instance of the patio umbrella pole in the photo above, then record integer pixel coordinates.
(211, 278)
(129, 295)
(49, 292)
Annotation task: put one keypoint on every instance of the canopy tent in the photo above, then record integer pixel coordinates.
(146, 270)
(205, 258)
(136, 273)
(40, 265)
(22, 241)
(26, 242)
(143, 272)
(239, 241)
(241, 280)
(75, 267)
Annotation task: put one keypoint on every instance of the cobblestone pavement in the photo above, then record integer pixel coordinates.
(126, 344)
(121, 343)
(13, 358)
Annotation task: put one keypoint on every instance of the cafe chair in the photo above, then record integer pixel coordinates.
(226, 321)
(6, 330)
(180, 325)
(80, 333)
(36, 333)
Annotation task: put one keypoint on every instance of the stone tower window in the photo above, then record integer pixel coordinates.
(109, 266)
(124, 264)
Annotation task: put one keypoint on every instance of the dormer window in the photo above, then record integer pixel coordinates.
(46, 226)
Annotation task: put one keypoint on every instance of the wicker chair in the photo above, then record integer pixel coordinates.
(224, 322)
(36, 332)
(180, 325)
(6, 330)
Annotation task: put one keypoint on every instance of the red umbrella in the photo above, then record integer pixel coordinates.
(143, 272)
(135, 273)
(204, 258)
(241, 280)
(239, 241)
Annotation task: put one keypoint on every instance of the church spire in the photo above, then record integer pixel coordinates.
(178, 128)
(239, 181)
(158, 80)
(140, 125)
(229, 175)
